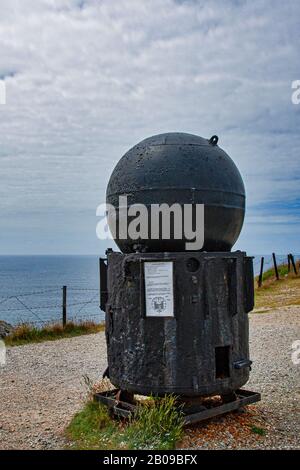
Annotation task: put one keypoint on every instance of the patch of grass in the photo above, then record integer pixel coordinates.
(26, 333)
(92, 428)
(283, 272)
(157, 425)
(270, 273)
(258, 430)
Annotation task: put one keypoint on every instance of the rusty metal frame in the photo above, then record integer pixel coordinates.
(126, 410)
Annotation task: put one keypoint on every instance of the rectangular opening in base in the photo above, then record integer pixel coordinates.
(222, 362)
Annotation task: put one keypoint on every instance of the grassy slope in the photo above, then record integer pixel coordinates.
(24, 334)
(276, 294)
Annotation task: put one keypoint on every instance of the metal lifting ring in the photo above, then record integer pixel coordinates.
(214, 140)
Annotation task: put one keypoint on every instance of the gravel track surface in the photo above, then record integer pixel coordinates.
(277, 379)
(42, 386)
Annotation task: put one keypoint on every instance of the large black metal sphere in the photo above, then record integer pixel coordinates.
(187, 169)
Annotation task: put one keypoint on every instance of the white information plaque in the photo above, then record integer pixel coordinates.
(159, 296)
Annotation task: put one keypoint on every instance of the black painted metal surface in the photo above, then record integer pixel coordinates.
(203, 349)
(186, 169)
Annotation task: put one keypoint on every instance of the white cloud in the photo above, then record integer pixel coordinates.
(86, 80)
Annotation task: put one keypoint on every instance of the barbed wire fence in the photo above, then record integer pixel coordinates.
(17, 309)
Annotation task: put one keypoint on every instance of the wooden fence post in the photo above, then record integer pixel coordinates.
(289, 263)
(64, 306)
(261, 271)
(293, 263)
(275, 266)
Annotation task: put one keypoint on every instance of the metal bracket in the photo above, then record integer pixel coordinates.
(242, 363)
(103, 283)
(125, 409)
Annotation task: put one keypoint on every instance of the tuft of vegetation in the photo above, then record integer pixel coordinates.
(157, 425)
(26, 333)
(93, 429)
(258, 430)
(270, 273)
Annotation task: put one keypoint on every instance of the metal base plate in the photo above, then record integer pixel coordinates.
(125, 409)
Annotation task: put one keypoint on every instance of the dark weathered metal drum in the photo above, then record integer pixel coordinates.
(185, 169)
(203, 349)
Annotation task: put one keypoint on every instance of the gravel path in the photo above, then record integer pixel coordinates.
(42, 386)
(273, 375)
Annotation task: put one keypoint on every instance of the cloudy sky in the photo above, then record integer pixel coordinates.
(86, 80)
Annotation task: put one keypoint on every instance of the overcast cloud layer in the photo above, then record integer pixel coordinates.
(86, 80)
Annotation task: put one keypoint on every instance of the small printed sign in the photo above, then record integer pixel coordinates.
(159, 296)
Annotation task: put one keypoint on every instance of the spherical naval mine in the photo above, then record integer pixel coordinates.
(183, 170)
